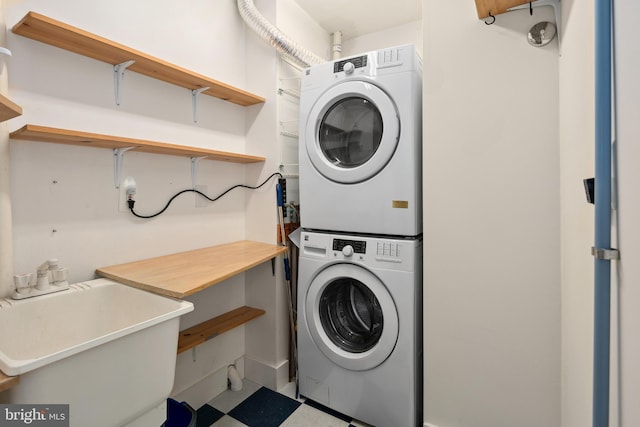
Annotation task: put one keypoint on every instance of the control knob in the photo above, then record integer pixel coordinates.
(347, 250)
(348, 67)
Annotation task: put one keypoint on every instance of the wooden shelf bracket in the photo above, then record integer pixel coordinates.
(118, 76)
(118, 157)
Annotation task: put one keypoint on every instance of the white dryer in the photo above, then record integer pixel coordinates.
(360, 150)
(360, 326)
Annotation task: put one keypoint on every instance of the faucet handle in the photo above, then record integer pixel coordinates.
(23, 282)
(60, 276)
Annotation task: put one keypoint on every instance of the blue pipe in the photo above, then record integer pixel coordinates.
(602, 267)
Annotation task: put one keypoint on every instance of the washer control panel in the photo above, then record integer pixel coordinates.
(343, 245)
(388, 249)
(383, 249)
(368, 251)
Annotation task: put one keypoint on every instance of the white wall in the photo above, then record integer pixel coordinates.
(626, 19)
(296, 23)
(492, 248)
(409, 33)
(576, 163)
(61, 89)
(6, 232)
(65, 204)
(266, 360)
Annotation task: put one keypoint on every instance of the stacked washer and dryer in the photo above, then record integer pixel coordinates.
(360, 269)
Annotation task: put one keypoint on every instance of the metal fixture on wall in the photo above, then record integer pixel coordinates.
(276, 38)
(540, 3)
(541, 34)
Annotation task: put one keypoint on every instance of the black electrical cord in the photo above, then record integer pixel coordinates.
(132, 202)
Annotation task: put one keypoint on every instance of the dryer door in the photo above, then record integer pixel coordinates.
(352, 132)
(351, 317)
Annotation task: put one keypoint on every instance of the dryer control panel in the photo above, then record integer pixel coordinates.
(357, 62)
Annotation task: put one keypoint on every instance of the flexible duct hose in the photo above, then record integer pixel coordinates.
(276, 38)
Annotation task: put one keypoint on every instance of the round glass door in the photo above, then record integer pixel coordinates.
(351, 316)
(352, 132)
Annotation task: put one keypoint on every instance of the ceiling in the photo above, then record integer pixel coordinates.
(357, 17)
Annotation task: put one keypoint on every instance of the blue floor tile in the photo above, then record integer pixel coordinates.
(264, 408)
(207, 415)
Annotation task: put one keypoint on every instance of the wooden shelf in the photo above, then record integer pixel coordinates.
(86, 139)
(204, 331)
(7, 382)
(8, 109)
(496, 7)
(187, 273)
(59, 34)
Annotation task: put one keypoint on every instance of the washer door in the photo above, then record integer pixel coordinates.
(351, 317)
(352, 132)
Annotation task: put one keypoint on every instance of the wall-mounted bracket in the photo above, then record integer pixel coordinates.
(118, 154)
(194, 170)
(539, 3)
(118, 76)
(195, 101)
(605, 254)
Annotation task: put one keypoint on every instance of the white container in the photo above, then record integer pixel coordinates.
(106, 349)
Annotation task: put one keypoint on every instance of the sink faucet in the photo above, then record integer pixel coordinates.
(50, 278)
(43, 281)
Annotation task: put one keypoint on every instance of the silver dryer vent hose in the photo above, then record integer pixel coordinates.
(276, 38)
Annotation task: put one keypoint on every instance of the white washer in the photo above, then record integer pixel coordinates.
(361, 144)
(360, 326)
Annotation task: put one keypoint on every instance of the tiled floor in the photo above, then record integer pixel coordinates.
(257, 406)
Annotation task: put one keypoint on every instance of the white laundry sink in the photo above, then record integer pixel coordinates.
(106, 349)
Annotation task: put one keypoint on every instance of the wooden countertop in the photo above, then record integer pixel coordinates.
(7, 382)
(185, 273)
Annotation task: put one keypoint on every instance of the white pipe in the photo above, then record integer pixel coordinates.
(337, 44)
(234, 378)
(6, 237)
(276, 38)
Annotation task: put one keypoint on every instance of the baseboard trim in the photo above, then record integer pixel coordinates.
(269, 375)
(204, 390)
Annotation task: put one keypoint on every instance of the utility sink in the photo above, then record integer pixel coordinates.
(106, 349)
